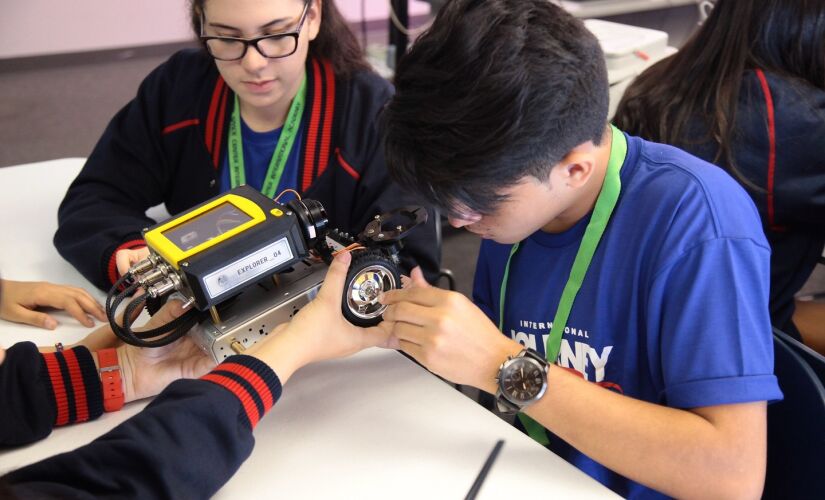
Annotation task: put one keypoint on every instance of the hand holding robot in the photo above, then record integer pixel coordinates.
(251, 264)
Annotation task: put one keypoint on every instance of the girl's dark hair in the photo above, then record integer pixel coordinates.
(697, 89)
(335, 41)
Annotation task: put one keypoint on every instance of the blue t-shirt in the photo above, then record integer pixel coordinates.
(674, 307)
(257, 153)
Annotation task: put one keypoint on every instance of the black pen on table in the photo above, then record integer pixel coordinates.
(485, 469)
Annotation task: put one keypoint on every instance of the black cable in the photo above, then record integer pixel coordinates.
(113, 292)
(113, 301)
(133, 309)
(163, 335)
(173, 330)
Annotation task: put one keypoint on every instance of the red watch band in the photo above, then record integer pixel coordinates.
(110, 379)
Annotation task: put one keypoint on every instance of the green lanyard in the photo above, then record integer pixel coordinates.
(237, 171)
(605, 204)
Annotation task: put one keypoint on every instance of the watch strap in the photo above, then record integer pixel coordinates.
(530, 353)
(534, 429)
(110, 379)
(504, 405)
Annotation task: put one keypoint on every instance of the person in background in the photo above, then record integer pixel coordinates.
(747, 92)
(279, 97)
(19, 301)
(193, 437)
(603, 307)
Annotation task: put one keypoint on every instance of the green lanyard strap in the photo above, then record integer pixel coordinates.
(605, 203)
(237, 170)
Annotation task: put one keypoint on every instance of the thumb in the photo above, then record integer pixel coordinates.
(333, 287)
(22, 315)
(418, 279)
(123, 261)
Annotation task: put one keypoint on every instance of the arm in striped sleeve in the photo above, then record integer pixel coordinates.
(186, 444)
(40, 391)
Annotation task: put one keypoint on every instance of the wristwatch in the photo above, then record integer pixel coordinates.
(110, 380)
(522, 380)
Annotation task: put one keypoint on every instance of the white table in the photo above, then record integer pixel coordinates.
(605, 8)
(372, 426)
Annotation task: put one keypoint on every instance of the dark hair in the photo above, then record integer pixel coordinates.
(493, 91)
(697, 89)
(335, 41)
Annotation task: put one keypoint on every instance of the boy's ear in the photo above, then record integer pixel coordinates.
(577, 167)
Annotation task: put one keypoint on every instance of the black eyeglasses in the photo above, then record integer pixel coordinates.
(230, 48)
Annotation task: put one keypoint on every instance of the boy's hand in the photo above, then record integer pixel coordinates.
(19, 299)
(447, 333)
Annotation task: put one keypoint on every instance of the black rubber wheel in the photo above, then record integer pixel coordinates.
(370, 274)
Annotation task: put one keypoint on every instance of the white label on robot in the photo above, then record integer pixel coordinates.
(247, 268)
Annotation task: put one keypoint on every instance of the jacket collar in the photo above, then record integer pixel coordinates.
(317, 121)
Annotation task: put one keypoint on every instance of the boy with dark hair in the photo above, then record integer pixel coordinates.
(640, 269)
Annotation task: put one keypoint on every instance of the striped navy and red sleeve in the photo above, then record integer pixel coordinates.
(254, 384)
(189, 442)
(41, 391)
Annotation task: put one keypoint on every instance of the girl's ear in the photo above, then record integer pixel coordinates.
(314, 18)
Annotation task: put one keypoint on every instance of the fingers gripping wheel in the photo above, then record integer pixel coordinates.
(370, 274)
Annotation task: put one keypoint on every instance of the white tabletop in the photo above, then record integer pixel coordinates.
(371, 426)
(605, 8)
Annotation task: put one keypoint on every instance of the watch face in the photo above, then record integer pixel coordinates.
(522, 380)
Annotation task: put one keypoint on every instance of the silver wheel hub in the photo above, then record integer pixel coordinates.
(364, 289)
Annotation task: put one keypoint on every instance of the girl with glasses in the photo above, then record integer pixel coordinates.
(279, 97)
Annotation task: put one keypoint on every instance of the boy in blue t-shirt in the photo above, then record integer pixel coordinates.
(639, 269)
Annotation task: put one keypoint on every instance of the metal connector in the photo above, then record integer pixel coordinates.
(172, 282)
(144, 265)
(155, 275)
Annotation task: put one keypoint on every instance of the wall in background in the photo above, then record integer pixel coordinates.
(43, 27)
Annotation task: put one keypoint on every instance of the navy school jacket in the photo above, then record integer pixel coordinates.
(186, 444)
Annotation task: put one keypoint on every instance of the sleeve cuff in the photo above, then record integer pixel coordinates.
(111, 268)
(254, 383)
(74, 386)
(721, 391)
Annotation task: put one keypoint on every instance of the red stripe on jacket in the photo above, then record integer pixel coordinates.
(346, 166)
(216, 156)
(766, 89)
(60, 398)
(81, 403)
(254, 380)
(312, 130)
(329, 111)
(249, 406)
(176, 126)
(210, 118)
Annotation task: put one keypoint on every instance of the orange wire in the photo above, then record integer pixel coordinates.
(349, 248)
(296, 193)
